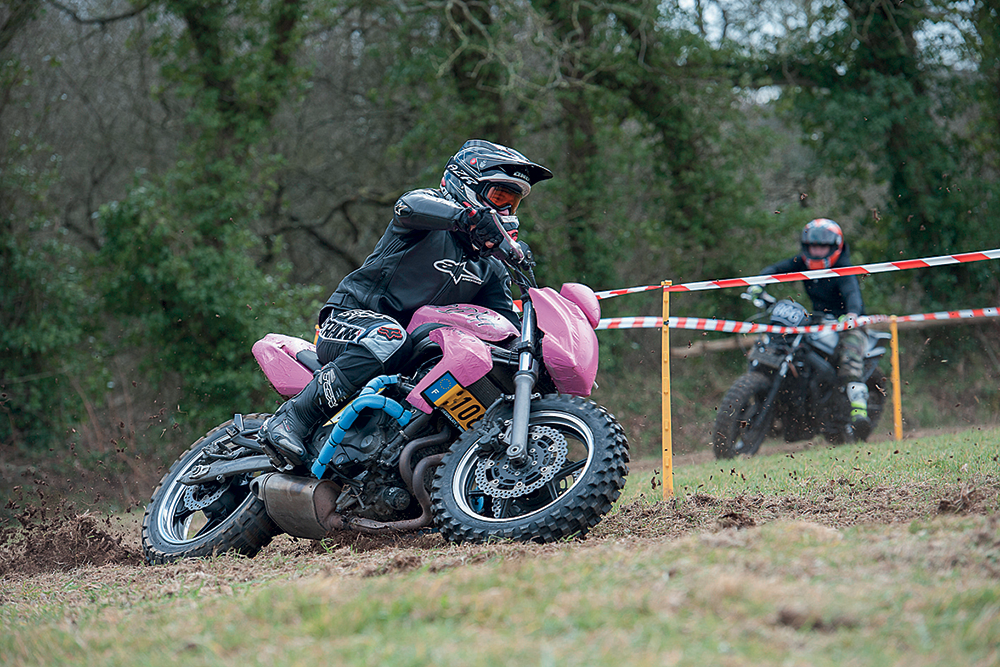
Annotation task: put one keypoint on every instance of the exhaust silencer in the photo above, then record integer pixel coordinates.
(301, 506)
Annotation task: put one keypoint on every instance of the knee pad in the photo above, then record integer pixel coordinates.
(360, 334)
(387, 341)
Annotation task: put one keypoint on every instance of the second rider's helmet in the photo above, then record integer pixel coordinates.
(822, 243)
(486, 174)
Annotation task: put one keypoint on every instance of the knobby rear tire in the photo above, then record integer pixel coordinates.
(244, 529)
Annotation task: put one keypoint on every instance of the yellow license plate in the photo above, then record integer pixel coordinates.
(452, 397)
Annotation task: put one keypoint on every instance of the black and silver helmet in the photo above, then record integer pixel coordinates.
(482, 173)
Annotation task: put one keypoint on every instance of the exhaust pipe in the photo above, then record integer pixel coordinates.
(301, 506)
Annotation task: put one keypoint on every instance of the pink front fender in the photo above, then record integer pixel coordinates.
(569, 348)
(464, 356)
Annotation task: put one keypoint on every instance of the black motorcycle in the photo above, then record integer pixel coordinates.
(791, 388)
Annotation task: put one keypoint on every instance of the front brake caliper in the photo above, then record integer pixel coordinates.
(494, 435)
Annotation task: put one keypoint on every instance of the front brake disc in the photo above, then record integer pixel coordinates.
(498, 477)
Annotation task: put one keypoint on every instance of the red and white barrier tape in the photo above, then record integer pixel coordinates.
(733, 326)
(972, 313)
(882, 267)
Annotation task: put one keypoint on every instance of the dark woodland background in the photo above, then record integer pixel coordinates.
(180, 177)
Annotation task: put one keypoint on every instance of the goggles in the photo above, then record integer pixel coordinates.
(504, 198)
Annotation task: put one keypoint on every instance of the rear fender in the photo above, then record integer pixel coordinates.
(276, 355)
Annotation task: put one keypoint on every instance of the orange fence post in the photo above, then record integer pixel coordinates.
(668, 456)
(897, 408)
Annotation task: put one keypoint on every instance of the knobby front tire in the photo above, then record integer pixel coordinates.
(577, 467)
(736, 431)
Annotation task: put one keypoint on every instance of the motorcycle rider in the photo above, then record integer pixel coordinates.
(823, 247)
(435, 251)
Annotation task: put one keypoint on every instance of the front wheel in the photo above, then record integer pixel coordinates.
(737, 427)
(184, 521)
(576, 468)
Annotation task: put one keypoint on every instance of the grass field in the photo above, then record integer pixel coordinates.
(880, 554)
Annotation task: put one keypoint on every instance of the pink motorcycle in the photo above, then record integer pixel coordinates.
(485, 434)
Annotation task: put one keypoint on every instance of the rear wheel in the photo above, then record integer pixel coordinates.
(737, 427)
(184, 521)
(578, 461)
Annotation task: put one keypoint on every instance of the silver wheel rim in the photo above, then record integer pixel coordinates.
(568, 424)
(175, 527)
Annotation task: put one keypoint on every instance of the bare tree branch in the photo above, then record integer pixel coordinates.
(22, 12)
(100, 20)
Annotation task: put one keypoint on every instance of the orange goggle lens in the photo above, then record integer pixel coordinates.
(502, 198)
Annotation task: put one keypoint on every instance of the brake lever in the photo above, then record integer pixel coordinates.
(508, 246)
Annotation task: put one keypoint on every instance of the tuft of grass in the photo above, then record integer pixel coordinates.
(960, 457)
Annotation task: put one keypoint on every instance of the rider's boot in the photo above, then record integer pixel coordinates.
(857, 394)
(285, 431)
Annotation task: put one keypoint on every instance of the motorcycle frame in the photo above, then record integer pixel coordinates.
(819, 388)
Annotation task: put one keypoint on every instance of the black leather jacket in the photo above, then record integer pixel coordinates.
(421, 260)
(837, 296)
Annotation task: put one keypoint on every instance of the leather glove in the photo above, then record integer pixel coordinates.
(479, 224)
(848, 317)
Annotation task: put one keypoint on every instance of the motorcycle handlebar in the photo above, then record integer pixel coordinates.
(510, 248)
(758, 297)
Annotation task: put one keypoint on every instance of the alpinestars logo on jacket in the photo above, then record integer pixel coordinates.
(457, 271)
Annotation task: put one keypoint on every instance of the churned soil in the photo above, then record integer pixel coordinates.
(54, 541)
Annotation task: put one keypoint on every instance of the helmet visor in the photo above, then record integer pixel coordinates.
(818, 250)
(504, 198)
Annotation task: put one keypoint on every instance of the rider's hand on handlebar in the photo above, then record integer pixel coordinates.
(481, 226)
(756, 295)
(753, 293)
(529, 258)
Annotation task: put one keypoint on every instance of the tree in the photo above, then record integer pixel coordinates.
(179, 254)
(47, 314)
(879, 107)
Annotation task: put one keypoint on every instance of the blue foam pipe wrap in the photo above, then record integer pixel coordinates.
(368, 398)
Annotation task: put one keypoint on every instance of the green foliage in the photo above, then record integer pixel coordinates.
(179, 268)
(47, 322)
(180, 263)
(48, 314)
(878, 109)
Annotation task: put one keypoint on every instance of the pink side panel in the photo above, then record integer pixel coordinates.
(276, 355)
(466, 357)
(481, 322)
(584, 297)
(569, 348)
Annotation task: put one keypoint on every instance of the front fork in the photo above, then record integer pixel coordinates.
(761, 420)
(524, 386)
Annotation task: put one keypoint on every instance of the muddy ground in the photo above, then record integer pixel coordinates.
(54, 540)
